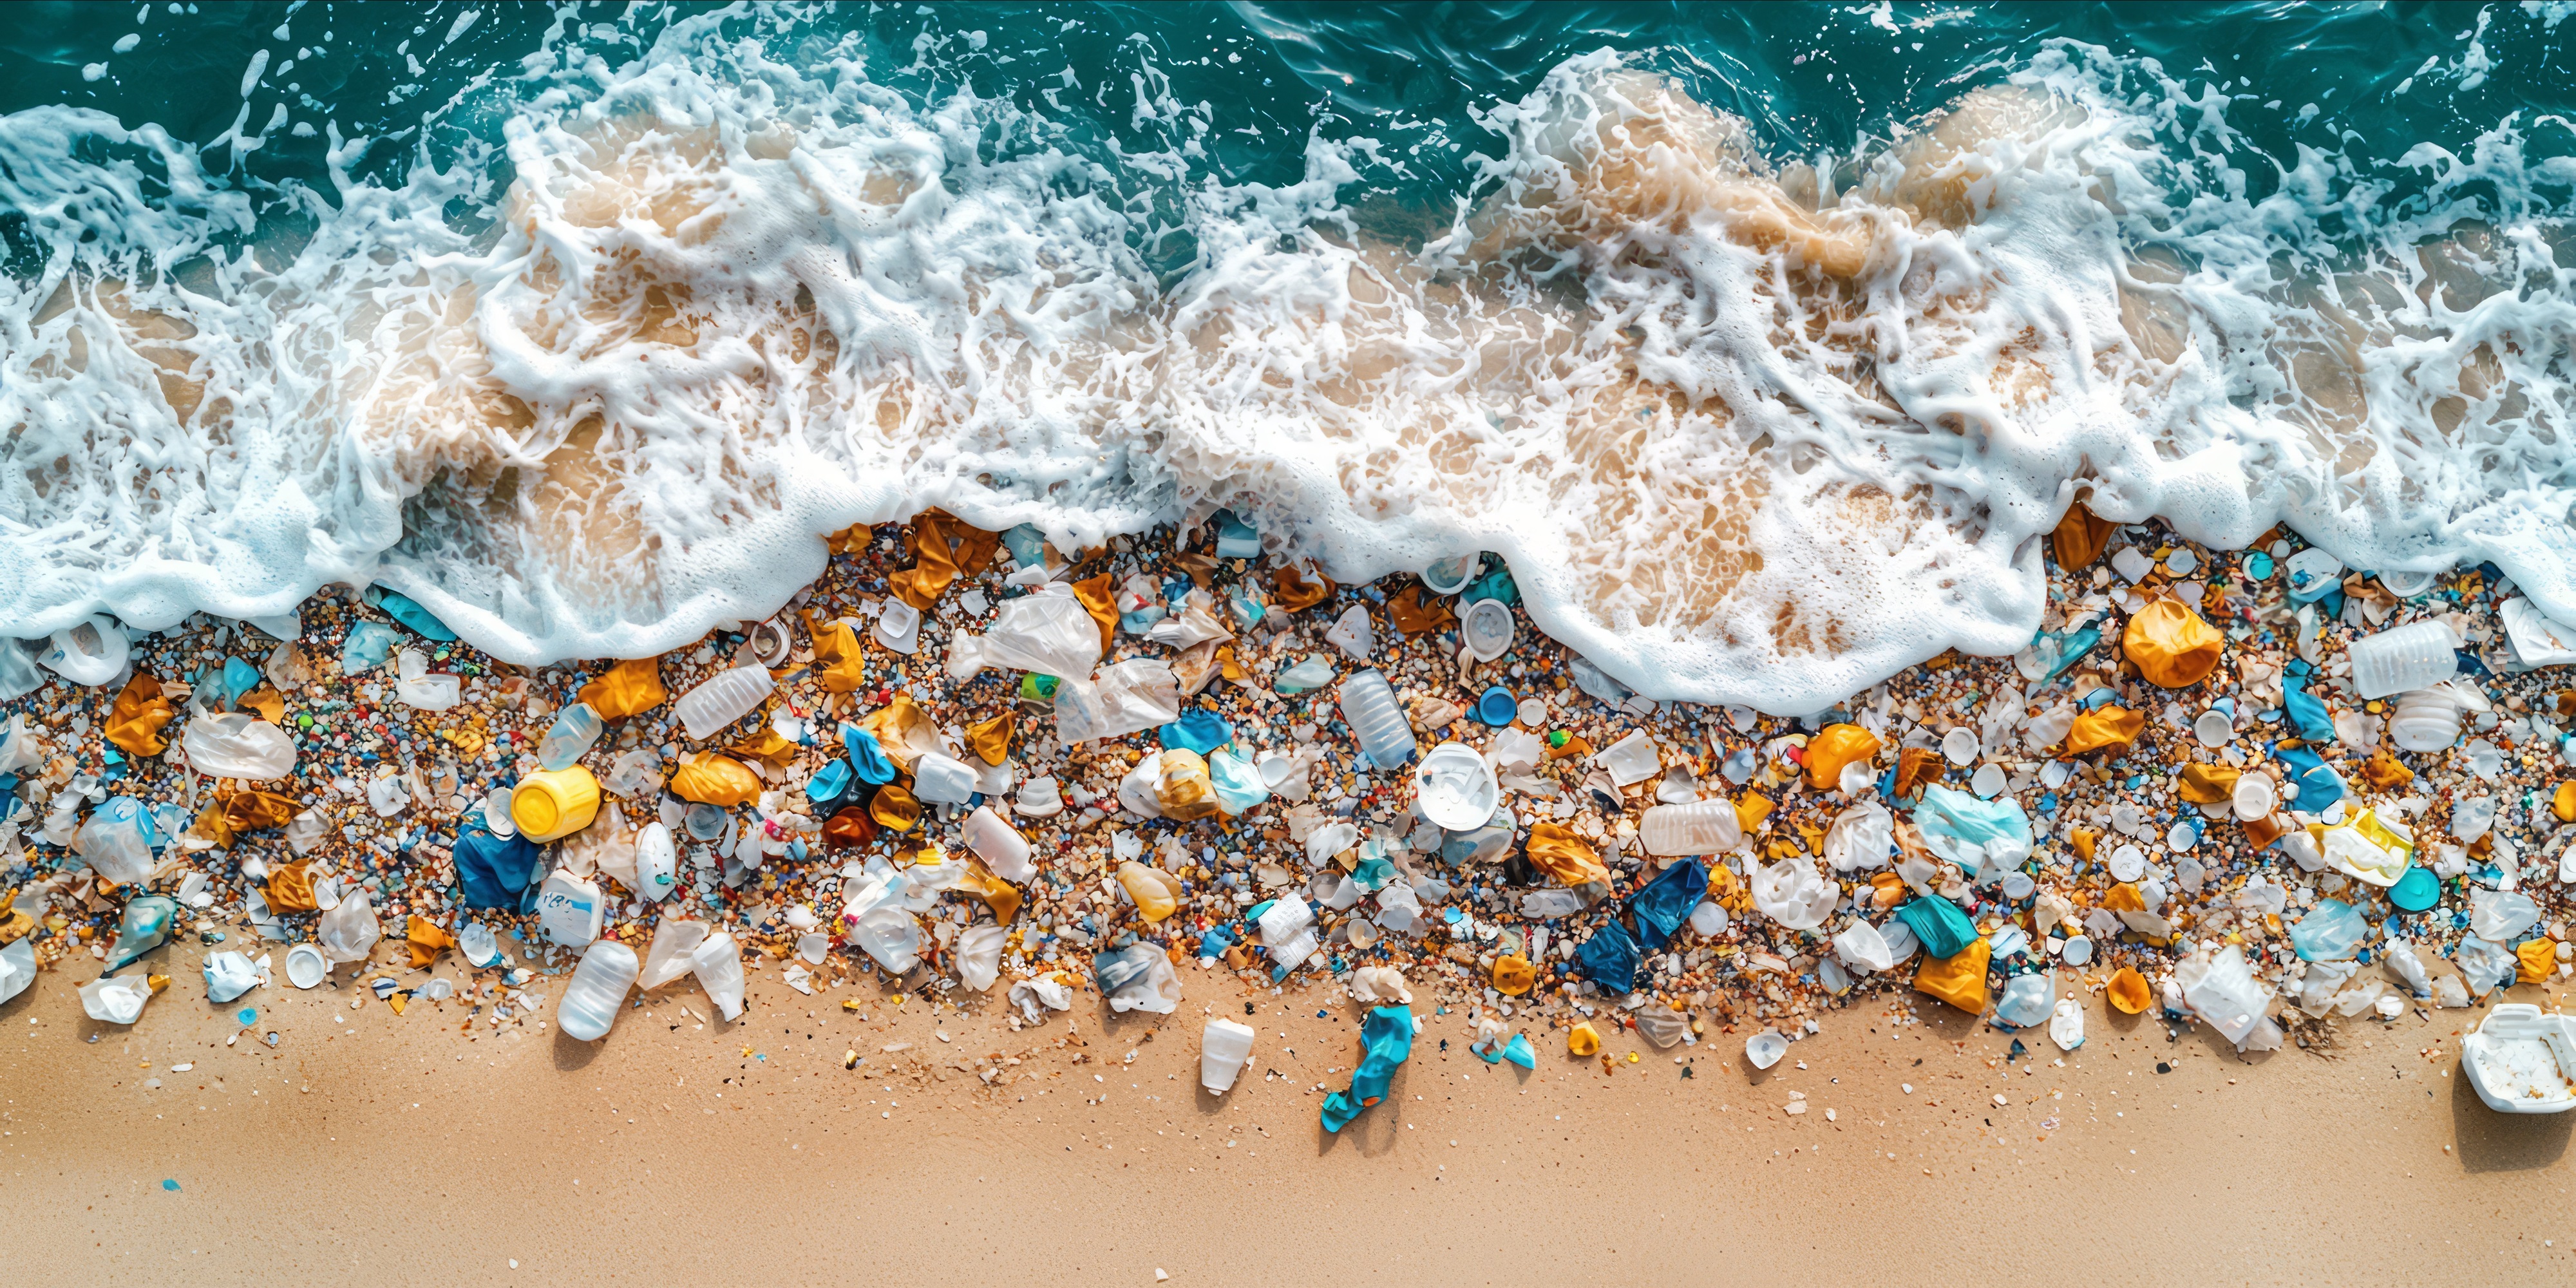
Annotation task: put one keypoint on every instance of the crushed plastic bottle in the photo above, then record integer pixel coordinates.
(729, 695)
(2415, 656)
(717, 961)
(1369, 708)
(571, 738)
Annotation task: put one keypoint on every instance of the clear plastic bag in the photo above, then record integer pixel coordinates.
(237, 745)
(1135, 695)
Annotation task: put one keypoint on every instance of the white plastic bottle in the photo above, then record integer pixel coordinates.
(2414, 656)
(718, 963)
(571, 737)
(1369, 708)
(941, 780)
(1223, 1049)
(597, 990)
(728, 696)
(2424, 720)
(570, 909)
(657, 863)
(998, 844)
(1700, 827)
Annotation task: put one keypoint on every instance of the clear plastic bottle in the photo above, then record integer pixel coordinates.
(597, 990)
(2417, 655)
(998, 844)
(570, 909)
(571, 737)
(728, 696)
(1223, 1049)
(718, 964)
(668, 957)
(1369, 707)
(1701, 827)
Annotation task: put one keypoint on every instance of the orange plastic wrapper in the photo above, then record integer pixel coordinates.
(2080, 537)
(1582, 1039)
(2124, 897)
(991, 739)
(629, 688)
(999, 895)
(2386, 774)
(1959, 979)
(268, 702)
(2535, 961)
(2084, 839)
(840, 665)
(2129, 991)
(1099, 597)
(1559, 854)
(2208, 784)
(900, 728)
(256, 811)
(710, 779)
(894, 809)
(290, 889)
(2261, 832)
(935, 563)
(424, 938)
(851, 826)
(767, 748)
(1750, 809)
(2107, 727)
(851, 539)
(1513, 975)
(1292, 591)
(1916, 769)
(1413, 617)
(2172, 647)
(1837, 746)
(135, 722)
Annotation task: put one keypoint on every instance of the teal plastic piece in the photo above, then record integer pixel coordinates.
(1238, 784)
(403, 609)
(2416, 891)
(367, 647)
(1944, 930)
(146, 926)
(1387, 1038)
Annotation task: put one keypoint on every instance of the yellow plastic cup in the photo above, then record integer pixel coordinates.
(555, 803)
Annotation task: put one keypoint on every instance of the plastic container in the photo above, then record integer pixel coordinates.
(1454, 787)
(998, 844)
(91, 652)
(1451, 575)
(570, 908)
(554, 803)
(1701, 827)
(726, 697)
(2425, 720)
(237, 746)
(1369, 707)
(2414, 656)
(597, 990)
(1224, 1049)
(941, 780)
(2255, 797)
(1487, 629)
(657, 863)
(306, 967)
(2522, 1060)
(571, 737)
(718, 965)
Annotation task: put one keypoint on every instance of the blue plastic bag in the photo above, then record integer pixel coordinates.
(493, 870)
(1238, 785)
(829, 784)
(1215, 942)
(240, 677)
(1944, 930)
(1980, 836)
(401, 608)
(2333, 931)
(1199, 730)
(367, 647)
(1666, 902)
(2307, 715)
(866, 756)
(1497, 583)
(1610, 958)
(1387, 1037)
(2318, 785)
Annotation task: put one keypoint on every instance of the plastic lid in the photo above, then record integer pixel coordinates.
(534, 808)
(2416, 891)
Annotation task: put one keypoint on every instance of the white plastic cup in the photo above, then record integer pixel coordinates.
(1487, 629)
(1223, 1049)
(998, 844)
(1454, 787)
(2417, 655)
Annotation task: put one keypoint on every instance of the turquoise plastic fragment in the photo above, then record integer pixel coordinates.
(367, 647)
(1938, 922)
(1199, 730)
(1518, 1052)
(1387, 1038)
(402, 609)
(866, 756)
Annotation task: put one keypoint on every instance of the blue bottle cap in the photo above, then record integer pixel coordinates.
(2415, 891)
(1498, 707)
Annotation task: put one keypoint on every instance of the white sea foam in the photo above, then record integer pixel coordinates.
(1743, 436)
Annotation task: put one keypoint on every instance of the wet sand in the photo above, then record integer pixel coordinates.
(368, 1144)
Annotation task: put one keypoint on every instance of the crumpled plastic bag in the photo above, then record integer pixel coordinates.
(1555, 850)
(2079, 537)
(866, 757)
(1039, 995)
(1387, 1038)
(1198, 729)
(1959, 979)
(2170, 644)
(991, 739)
(1050, 632)
(2319, 785)
(1610, 958)
(136, 721)
(1861, 838)
(1942, 928)
(367, 647)
(2028, 1000)
(979, 956)
(1371, 985)
(2332, 931)
(894, 808)
(2484, 963)
(2499, 915)
(902, 731)
(1985, 838)
(119, 999)
(491, 869)
(2539, 961)
(1837, 746)
(1794, 894)
(1666, 902)
(1862, 947)
(228, 976)
(2207, 784)
(943, 547)
(1138, 978)
(2107, 726)
(711, 779)
(1293, 591)
(1133, 695)
(2308, 716)
(629, 688)
(2221, 990)
(1238, 783)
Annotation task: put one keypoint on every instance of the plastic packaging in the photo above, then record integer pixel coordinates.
(1139, 978)
(1632, 759)
(1236, 782)
(90, 652)
(349, 932)
(1386, 1039)
(1862, 947)
(998, 844)
(979, 956)
(573, 734)
(2499, 915)
(115, 999)
(1983, 837)
(1049, 632)
(890, 935)
(941, 780)
(668, 957)
(2255, 797)
(117, 841)
(1701, 827)
(2224, 992)
(2333, 931)
(1794, 894)
(570, 909)
(2028, 1000)
(597, 990)
(2424, 720)
(2522, 1060)
(1182, 791)
(1454, 787)
(1861, 838)
(144, 926)
(1313, 673)
(237, 745)
(228, 976)
(727, 696)
(2417, 655)
(1353, 634)
(1369, 707)
(1225, 1047)
(717, 963)
(554, 803)
(1487, 629)
(415, 685)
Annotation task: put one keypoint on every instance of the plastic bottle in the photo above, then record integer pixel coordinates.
(668, 957)
(657, 863)
(726, 697)
(718, 964)
(2417, 655)
(1701, 827)
(237, 746)
(571, 737)
(597, 990)
(555, 803)
(998, 844)
(570, 908)
(1226, 1047)
(941, 780)
(1369, 707)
